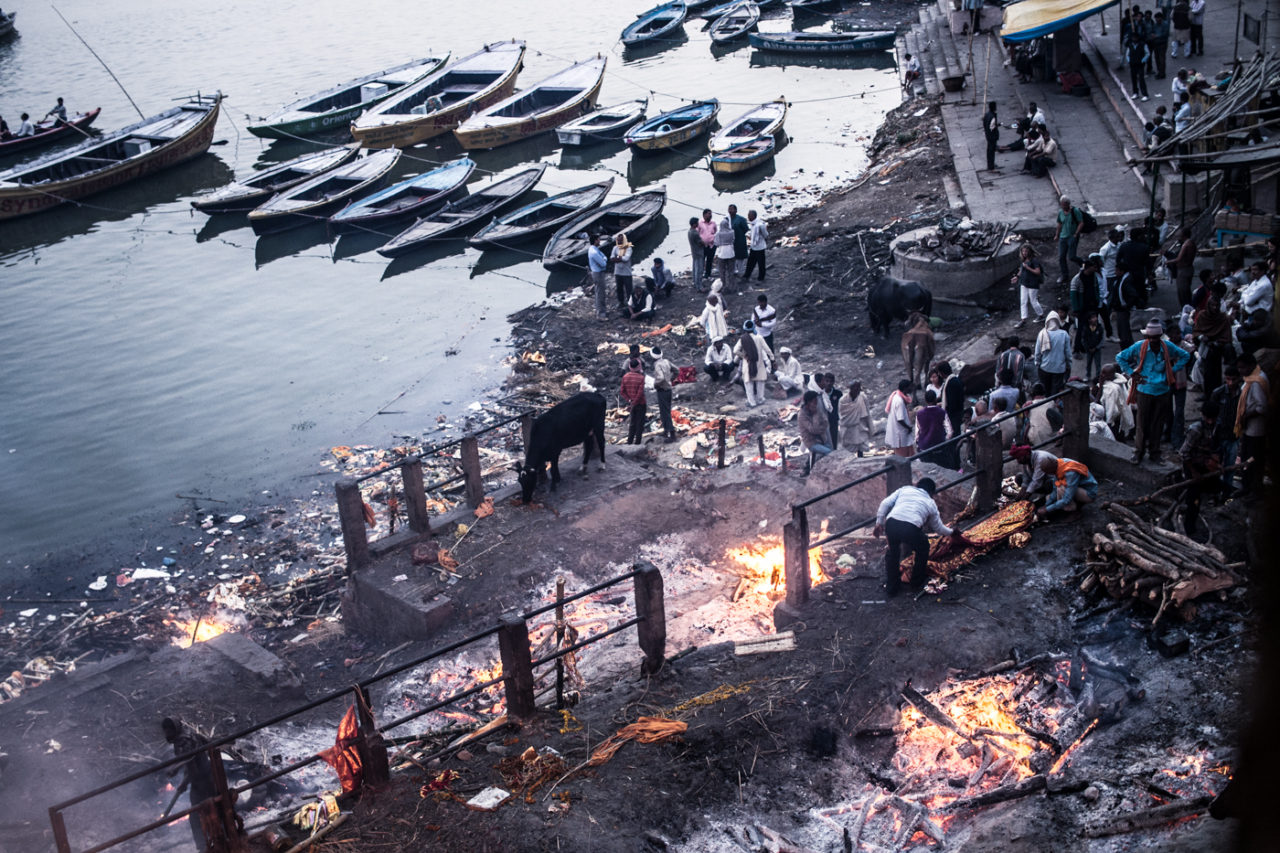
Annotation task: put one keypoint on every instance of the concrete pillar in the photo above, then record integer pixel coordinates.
(989, 450)
(355, 539)
(371, 746)
(1075, 416)
(471, 471)
(651, 608)
(526, 429)
(795, 556)
(415, 495)
(517, 666)
(899, 474)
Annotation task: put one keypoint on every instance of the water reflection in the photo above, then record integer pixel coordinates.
(646, 169)
(587, 156)
(638, 54)
(223, 223)
(295, 241)
(365, 240)
(428, 253)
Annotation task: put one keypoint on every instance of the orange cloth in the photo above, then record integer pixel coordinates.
(946, 554)
(343, 756)
(1065, 467)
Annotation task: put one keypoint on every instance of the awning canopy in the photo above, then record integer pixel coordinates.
(1032, 19)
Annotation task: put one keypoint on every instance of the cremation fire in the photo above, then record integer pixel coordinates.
(765, 566)
(188, 632)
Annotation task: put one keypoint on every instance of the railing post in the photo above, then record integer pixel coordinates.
(371, 746)
(652, 611)
(59, 831)
(989, 451)
(415, 495)
(795, 562)
(227, 838)
(351, 518)
(720, 444)
(471, 471)
(898, 475)
(526, 429)
(517, 666)
(1075, 417)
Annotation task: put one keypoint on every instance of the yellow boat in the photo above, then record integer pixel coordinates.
(543, 107)
(439, 102)
(673, 128)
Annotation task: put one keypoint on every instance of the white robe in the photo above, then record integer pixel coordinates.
(895, 434)
(713, 322)
(790, 373)
(1115, 402)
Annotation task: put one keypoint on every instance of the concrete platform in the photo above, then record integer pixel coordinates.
(964, 277)
(1109, 460)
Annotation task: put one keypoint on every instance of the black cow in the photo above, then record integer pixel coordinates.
(576, 420)
(892, 299)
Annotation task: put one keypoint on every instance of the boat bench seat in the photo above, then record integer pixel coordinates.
(467, 88)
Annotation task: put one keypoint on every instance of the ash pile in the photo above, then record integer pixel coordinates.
(956, 239)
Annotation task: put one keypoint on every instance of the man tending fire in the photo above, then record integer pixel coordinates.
(197, 775)
(903, 518)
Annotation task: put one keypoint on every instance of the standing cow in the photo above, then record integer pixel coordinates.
(577, 420)
(892, 299)
(917, 348)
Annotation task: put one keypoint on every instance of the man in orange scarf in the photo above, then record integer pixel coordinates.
(1151, 364)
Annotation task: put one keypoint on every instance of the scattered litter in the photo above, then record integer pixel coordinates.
(100, 584)
(235, 519)
(784, 642)
(488, 800)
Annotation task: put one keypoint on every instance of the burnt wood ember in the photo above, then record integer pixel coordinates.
(1150, 817)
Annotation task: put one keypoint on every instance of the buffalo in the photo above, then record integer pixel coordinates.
(892, 299)
(577, 420)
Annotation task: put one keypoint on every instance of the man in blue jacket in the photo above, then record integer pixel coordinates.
(1151, 364)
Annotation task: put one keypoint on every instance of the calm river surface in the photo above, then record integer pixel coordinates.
(147, 351)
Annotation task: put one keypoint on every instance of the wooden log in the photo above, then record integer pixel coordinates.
(998, 795)
(1148, 542)
(1193, 588)
(1218, 559)
(868, 808)
(1131, 556)
(932, 712)
(1149, 817)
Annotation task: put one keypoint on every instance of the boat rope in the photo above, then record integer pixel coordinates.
(100, 60)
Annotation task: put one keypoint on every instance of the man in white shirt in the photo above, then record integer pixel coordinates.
(719, 360)
(1108, 252)
(789, 372)
(765, 317)
(1259, 293)
(904, 518)
(757, 240)
(663, 373)
(26, 128)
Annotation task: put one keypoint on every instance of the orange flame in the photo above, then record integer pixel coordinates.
(766, 566)
(188, 632)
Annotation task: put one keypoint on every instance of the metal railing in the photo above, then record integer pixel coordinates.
(351, 505)
(518, 680)
(897, 472)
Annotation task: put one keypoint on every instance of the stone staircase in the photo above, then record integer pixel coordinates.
(944, 67)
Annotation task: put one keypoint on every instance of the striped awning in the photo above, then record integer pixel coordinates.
(1035, 18)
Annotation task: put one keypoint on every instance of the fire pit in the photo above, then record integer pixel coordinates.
(957, 259)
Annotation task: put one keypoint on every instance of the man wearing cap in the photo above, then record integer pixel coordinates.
(904, 518)
(1151, 364)
(662, 374)
(632, 392)
(789, 372)
(596, 265)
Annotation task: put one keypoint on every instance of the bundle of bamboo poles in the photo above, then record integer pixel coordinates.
(1136, 559)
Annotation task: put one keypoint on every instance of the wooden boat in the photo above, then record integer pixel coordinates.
(541, 216)
(333, 109)
(244, 195)
(457, 215)
(744, 155)
(440, 101)
(117, 158)
(764, 120)
(674, 127)
(50, 131)
(854, 41)
(414, 196)
(740, 18)
(699, 5)
(658, 23)
(542, 107)
(6, 23)
(602, 125)
(313, 200)
(633, 216)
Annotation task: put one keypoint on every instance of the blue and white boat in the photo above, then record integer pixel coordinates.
(414, 196)
(658, 23)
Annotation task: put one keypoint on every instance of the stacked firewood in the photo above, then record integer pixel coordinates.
(1136, 559)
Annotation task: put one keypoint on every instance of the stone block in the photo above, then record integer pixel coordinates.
(253, 659)
(1109, 461)
(377, 605)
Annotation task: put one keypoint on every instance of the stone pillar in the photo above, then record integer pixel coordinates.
(471, 471)
(1075, 416)
(899, 474)
(355, 539)
(652, 610)
(989, 450)
(415, 495)
(517, 666)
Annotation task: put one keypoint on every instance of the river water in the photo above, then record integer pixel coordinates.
(147, 351)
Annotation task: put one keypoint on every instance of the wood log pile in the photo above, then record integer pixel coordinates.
(1139, 560)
